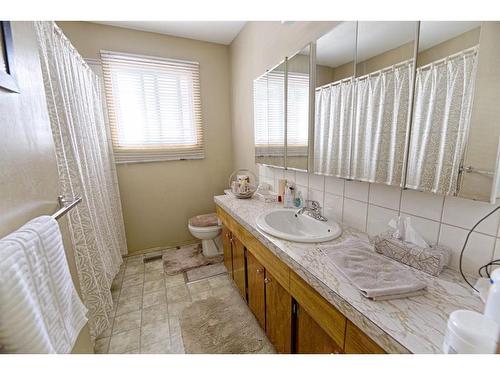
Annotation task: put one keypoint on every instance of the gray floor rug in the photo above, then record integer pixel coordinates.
(222, 326)
(205, 272)
(186, 258)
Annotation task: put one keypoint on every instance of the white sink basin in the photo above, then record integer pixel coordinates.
(285, 224)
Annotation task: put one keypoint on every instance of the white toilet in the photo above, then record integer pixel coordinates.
(207, 228)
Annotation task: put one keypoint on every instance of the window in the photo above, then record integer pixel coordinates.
(269, 113)
(154, 107)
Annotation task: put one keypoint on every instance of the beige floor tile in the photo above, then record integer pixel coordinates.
(176, 344)
(129, 304)
(155, 298)
(131, 280)
(127, 322)
(154, 332)
(198, 287)
(154, 275)
(218, 281)
(175, 308)
(224, 292)
(174, 280)
(134, 269)
(153, 286)
(160, 347)
(156, 313)
(116, 285)
(201, 296)
(156, 265)
(174, 326)
(178, 293)
(101, 345)
(131, 291)
(125, 342)
(115, 294)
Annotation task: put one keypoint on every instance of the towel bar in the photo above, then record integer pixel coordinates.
(65, 206)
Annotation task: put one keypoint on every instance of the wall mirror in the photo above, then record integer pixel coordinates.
(334, 93)
(385, 63)
(455, 127)
(297, 108)
(7, 70)
(269, 117)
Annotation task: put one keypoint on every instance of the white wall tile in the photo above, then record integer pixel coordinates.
(302, 178)
(356, 190)
(465, 213)
(290, 175)
(385, 196)
(378, 218)
(334, 185)
(316, 182)
(278, 175)
(316, 195)
(479, 249)
(428, 229)
(333, 207)
(496, 254)
(422, 204)
(354, 214)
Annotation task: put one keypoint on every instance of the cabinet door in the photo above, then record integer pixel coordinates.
(357, 342)
(278, 315)
(310, 338)
(239, 265)
(256, 289)
(228, 253)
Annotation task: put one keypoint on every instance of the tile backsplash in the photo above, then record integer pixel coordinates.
(369, 207)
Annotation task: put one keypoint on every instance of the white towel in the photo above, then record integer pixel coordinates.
(376, 276)
(40, 311)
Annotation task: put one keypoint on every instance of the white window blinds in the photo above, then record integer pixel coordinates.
(154, 107)
(269, 110)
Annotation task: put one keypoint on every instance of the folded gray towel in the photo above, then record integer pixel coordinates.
(376, 276)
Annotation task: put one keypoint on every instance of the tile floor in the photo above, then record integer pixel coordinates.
(147, 305)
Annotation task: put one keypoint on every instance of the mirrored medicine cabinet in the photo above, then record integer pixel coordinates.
(407, 104)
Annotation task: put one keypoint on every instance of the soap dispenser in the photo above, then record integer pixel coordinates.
(289, 196)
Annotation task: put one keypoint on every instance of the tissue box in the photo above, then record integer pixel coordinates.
(430, 260)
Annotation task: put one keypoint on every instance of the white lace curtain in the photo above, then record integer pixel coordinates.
(332, 131)
(441, 121)
(380, 126)
(86, 168)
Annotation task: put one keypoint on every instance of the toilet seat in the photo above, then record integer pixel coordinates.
(204, 222)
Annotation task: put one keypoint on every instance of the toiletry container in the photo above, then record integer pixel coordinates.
(492, 308)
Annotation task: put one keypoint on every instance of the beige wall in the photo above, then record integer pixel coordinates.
(260, 46)
(28, 172)
(159, 198)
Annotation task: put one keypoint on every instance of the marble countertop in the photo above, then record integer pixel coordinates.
(409, 325)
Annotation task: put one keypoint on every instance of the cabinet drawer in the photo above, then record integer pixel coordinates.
(327, 316)
(357, 342)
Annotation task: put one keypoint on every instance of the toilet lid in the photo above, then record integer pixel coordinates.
(207, 220)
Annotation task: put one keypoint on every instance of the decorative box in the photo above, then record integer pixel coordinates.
(431, 260)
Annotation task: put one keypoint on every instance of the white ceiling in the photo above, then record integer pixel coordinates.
(222, 32)
(374, 37)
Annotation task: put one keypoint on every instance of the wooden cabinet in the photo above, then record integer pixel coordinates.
(357, 342)
(256, 289)
(271, 290)
(310, 338)
(278, 315)
(239, 270)
(228, 252)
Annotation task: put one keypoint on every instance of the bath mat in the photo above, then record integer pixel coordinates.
(186, 258)
(205, 272)
(222, 326)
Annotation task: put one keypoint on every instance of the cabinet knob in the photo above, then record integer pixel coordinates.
(259, 271)
(267, 281)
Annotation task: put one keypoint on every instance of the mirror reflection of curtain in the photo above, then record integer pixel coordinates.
(332, 139)
(379, 131)
(441, 120)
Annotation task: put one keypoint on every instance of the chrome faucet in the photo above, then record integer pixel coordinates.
(313, 209)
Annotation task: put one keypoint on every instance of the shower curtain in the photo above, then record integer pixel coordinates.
(380, 127)
(332, 134)
(86, 167)
(442, 110)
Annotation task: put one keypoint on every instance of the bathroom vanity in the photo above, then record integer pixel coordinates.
(305, 306)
